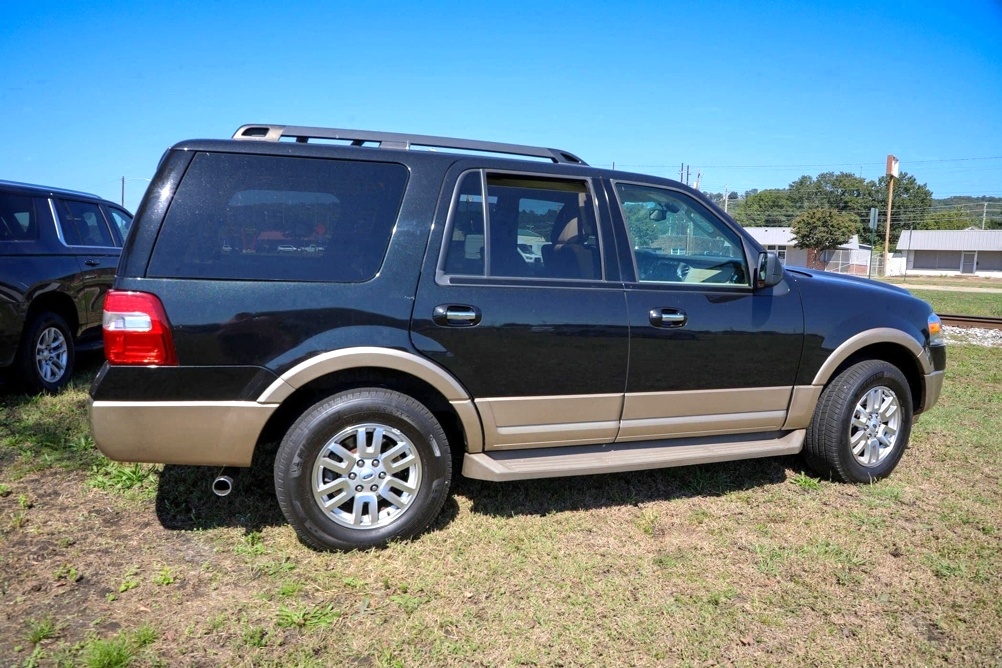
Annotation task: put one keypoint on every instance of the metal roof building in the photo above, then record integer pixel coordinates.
(945, 252)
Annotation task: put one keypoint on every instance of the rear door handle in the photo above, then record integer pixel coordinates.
(91, 263)
(456, 315)
(668, 317)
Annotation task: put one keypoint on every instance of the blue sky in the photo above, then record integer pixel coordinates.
(752, 94)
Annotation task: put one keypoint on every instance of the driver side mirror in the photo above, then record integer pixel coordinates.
(770, 270)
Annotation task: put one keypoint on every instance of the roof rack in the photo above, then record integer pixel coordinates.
(398, 140)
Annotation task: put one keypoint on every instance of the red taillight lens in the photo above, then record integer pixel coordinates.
(136, 330)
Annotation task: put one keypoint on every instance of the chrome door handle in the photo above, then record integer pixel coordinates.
(668, 317)
(456, 315)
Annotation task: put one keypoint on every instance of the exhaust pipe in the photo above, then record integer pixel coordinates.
(223, 484)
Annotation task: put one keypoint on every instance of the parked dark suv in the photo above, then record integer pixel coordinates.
(58, 253)
(376, 307)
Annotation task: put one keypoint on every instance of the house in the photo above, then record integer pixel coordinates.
(849, 258)
(946, 252)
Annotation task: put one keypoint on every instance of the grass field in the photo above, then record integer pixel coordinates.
(749, 563)
(962, 303)
(948, 281)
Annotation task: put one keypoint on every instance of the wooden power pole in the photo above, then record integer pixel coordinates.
(892, 173)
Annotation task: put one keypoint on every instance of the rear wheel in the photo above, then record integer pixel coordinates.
(47, 354)
(362, 468)
(861, 424)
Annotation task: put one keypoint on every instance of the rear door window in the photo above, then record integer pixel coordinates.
(279, 218)
(537, 227)
(83, 224)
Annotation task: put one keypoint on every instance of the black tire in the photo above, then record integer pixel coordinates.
(425, 462)
(828, 447)
(47, 354)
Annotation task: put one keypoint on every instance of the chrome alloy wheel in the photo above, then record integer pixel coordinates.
(876, 421)
(51, 354)
(366, 476)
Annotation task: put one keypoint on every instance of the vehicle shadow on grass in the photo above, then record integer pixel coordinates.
(544, 496)
(185, 501)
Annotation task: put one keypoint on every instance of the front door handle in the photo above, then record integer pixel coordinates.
(91, 263)
(668, 317)
(456, 315)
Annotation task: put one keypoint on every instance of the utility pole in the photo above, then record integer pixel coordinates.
(681, 170)
(687, 175)
(892, 172)
(699, 175)
(984, 214)
(726, 193)
(123, 192)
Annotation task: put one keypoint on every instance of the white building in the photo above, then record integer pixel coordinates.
(950, 252)
(849, 258)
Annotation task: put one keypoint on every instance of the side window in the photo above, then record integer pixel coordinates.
(18, 221)
(280, 218)
(83, 224)
(536, 228)
(122, 222)
(676, 240)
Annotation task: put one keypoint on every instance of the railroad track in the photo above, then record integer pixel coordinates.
(968, 321)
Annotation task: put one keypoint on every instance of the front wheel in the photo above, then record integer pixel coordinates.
(362, 468)
(47, 354)
(861, 424)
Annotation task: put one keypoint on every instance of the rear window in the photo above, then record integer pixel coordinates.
(275, 218)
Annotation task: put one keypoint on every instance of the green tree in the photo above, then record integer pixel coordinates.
(765, 208)
(821, 229)
(950, 219)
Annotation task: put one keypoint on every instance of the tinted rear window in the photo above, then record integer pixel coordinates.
(275, 218)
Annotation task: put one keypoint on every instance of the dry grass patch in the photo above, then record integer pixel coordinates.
(750, 563)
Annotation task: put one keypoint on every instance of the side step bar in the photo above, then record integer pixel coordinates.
(618, 457)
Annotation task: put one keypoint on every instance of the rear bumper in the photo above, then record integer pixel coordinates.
(200, 433)
(933, 387)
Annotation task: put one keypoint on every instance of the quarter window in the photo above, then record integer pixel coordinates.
(17, 218)
(674, 239)
(536, 227)
(280, 218)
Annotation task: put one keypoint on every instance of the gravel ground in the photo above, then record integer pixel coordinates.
(975, 335)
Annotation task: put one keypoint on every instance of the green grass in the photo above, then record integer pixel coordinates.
(962, 303)
(755, 562)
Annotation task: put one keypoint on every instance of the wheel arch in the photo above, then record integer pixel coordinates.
(57, 302)
(327, 374)
(890, 345)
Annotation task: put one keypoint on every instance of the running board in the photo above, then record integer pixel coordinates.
(617, 457)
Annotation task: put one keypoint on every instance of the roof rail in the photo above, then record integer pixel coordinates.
(398, 140)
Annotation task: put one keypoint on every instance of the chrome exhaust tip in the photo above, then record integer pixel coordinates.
(223, 484)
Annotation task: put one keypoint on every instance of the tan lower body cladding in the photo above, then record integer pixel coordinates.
(533, 422)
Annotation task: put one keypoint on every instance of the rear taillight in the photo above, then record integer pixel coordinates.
(136, 330)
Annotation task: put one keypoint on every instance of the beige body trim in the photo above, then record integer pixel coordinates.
(802, 404)
(619, 457)
(655, 415)
(933, 388)
(198, 433)
(354, 358)
(383, 358)
(867, 338)
(524, 422)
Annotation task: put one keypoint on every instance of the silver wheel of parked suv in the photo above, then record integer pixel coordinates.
(362, 468)
(47, 353)
(861, 424)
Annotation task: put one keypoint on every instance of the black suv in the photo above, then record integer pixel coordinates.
(58, 253)
(378, 307)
